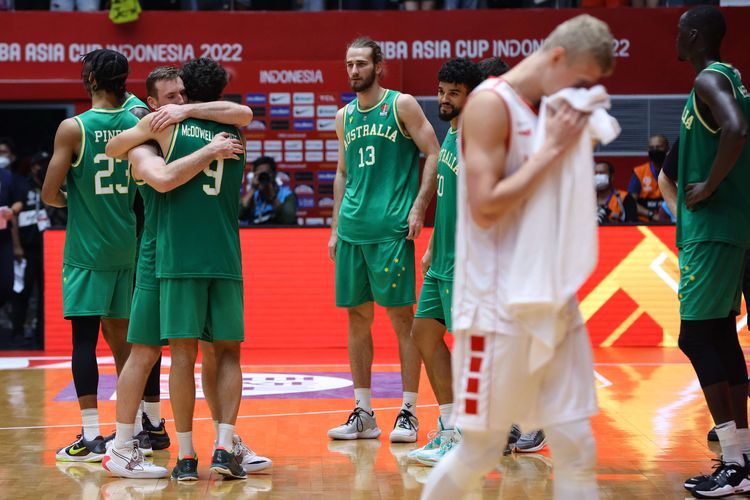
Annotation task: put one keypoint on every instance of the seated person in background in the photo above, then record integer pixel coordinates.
(615, 206)
(267, 202)
(644, 184)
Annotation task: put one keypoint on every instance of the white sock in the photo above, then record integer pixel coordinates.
(138, 424)
(90, 419)
(185, 440)
(410, 402)
(153, 412)
(216, 433)
(226, 433)
(446, 411)
(123, 434)
(362, 399)
(730, 445)
(743, 435)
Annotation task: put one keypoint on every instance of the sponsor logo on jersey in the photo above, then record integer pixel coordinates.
(304, 111)
(251, 99)
(280, 112)
(384, 109)
(304, 98)
(304, 125)
(327, 111)
(280, 99)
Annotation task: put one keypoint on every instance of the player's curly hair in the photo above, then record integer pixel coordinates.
(492, 66)
(460, 71)
(204, 79)
(109, 69)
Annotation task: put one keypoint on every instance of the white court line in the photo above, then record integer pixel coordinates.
(604, 381)
(239, 417)
(661, 273)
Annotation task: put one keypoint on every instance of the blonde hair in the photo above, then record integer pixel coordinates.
(584, 35)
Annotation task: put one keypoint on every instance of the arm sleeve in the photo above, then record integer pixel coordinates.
(671, 161)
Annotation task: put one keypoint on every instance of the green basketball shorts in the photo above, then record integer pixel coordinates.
(87, 292)
(435, 300)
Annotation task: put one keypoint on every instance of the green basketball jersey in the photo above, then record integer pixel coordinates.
(145, 276)
(382, 173)
(101, 222)
(198, 234)
(725, 216)
(133, 102)
(444, 232)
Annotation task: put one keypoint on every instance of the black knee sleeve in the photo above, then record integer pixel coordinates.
(714, 350)
(153, 383)
(730, 351)
(85, 368)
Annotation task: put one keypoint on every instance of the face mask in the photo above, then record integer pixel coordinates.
(4, 161)
(601, 181)
(657, 156)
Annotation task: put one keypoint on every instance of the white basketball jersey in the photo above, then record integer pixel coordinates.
(482, 254)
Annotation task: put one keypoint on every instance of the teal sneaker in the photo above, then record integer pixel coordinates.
(430, 458)
(435, 437)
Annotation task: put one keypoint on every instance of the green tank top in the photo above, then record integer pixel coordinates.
(725, 216)
(382, 173)
(133, 102)
(101, 222)
(444, 232)
(198, 234)
(145, 276)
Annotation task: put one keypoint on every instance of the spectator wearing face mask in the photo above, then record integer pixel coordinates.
(615, 206)
(644, 183)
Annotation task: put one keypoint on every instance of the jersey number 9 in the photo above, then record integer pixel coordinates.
(216, 175)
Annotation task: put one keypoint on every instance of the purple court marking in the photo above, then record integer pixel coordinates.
(384, 385)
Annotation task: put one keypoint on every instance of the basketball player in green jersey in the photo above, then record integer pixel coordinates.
(713, 234)
(456, 79)
(135, 105)
(201, 290)
(100, 240)
(378, 211)
(165, 96)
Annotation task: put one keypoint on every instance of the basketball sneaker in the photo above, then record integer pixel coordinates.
(129, 462)
(531, 442)
(430, 458)
(248, 459)
(83, 450)
(694, 481)
(359, 425)
(405, 428)
(728, 479)
(435, 438)
(157, 434)
(226, 464)
(513, 435)
(186, 469)
(144, 443)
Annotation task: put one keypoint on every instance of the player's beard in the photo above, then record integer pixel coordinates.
(446, 117)
(363, 84)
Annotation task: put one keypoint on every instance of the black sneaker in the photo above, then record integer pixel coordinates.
(513, 435)
(728, 479)
(82, 450)
(186, 469)
(226, 464)
(712, 436)
(144, 443)
(157, 434)
(694, 481)
(531, 442)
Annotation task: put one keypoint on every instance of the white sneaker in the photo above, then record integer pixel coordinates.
(359, 425)
(248, 459)
(436, 438)
(405, 429)
(430, 458)
(129, 462)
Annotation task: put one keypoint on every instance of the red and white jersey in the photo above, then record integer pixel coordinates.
(482, 255)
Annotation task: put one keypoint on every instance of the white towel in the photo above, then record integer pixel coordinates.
(557, 246)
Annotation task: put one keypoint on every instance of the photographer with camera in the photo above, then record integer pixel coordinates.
(267, 201)
(615, 206)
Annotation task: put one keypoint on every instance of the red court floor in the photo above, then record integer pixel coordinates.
(650, 432)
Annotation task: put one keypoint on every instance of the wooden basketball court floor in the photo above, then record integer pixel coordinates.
(650, 433)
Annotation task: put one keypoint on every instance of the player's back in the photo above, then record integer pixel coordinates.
(198, 232)
(101, 227)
